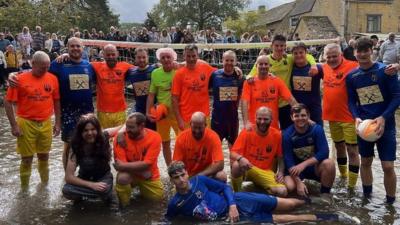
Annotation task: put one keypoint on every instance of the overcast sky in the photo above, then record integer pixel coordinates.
(135, 11)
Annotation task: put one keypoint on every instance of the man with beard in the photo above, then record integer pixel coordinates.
(160, 89)
(265, 90)
(206, 199)
(375, 95)
(140, 78)
(75, 77)
(110, 85)
(136, 162)
(200, 149)
(306, 154)
(226, 88)
(256, 152)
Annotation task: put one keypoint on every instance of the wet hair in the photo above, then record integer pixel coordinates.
(139, 117)
(191, 47)
(299, 45)
(175, 167)
(101, 149)
(374, 37)
(298, 107)
(278, 37)
(363, 44)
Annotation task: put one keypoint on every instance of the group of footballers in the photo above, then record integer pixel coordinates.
(282, 143)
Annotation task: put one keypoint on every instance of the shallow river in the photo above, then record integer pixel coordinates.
(45, 204)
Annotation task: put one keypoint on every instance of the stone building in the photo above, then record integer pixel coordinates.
(313, 19)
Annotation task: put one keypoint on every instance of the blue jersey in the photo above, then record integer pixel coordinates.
(76, 81)
(226, 90)
(306, 89)
(140, 80)
(300, 147)
(372, 93)
(209, 199)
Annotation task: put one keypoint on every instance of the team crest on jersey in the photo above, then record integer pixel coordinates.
(272, 89)
(374, 77)
(202, 77)
(339, 75)
(199, 194)
(118, 72)
(47, 87)
(268, 149)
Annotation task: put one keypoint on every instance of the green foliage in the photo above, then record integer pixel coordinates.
(202, 13)
(56, 15)
(244, 23)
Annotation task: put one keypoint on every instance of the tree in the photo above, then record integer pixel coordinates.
(202, 13)
(245, 22)
(150, 21)
(56, 15)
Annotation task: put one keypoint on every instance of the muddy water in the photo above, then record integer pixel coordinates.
(45, 204)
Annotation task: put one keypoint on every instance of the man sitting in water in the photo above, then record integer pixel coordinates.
(306, 153)
(207, 199)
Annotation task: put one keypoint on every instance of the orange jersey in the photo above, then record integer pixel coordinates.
(35, 96)
(191, 86)
(265, 92)
(261, 151)
(198, 154)
(145, 150)
(334, 103)
(110, 86)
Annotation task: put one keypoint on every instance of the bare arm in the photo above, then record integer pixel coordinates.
(175, 106)
(132, 167)
(213, 168)
(245, 114)
(9, 107)
(149, 104)
(57, 114)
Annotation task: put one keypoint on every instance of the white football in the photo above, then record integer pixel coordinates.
(366, 130)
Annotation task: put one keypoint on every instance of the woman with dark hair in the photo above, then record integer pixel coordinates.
(91, 152)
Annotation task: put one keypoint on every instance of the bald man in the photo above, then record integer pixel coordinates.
(111, 76)
(36, 98)
(265, 90)
(256, 152)
(200, 149)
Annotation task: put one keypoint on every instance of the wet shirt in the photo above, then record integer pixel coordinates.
(265, 92)
(372, 93)
(92, 168)
(226, 90)
(111, 86)
(140, 80)
(299, 147)
(145, 150)
(335, 107)
(261, 151)
(306, 88)
(34, 96)
(198, 154)
(191, 86)
(207, 199)
(75, 80)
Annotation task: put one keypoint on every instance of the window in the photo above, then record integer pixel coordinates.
(293, 21)
(373, 23)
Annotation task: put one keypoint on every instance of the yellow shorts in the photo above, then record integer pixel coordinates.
(150, 189)
(164, 127)
(109, 120)
(262, 178)
(36, 137)
(341, 131)
(208, 121)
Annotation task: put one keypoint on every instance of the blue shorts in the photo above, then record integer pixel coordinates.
(255, 207)
(386, 146)
(69, 119)
(228, 130)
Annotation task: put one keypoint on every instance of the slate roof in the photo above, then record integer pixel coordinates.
(318, 27)
(302, 6)
(275, 14)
